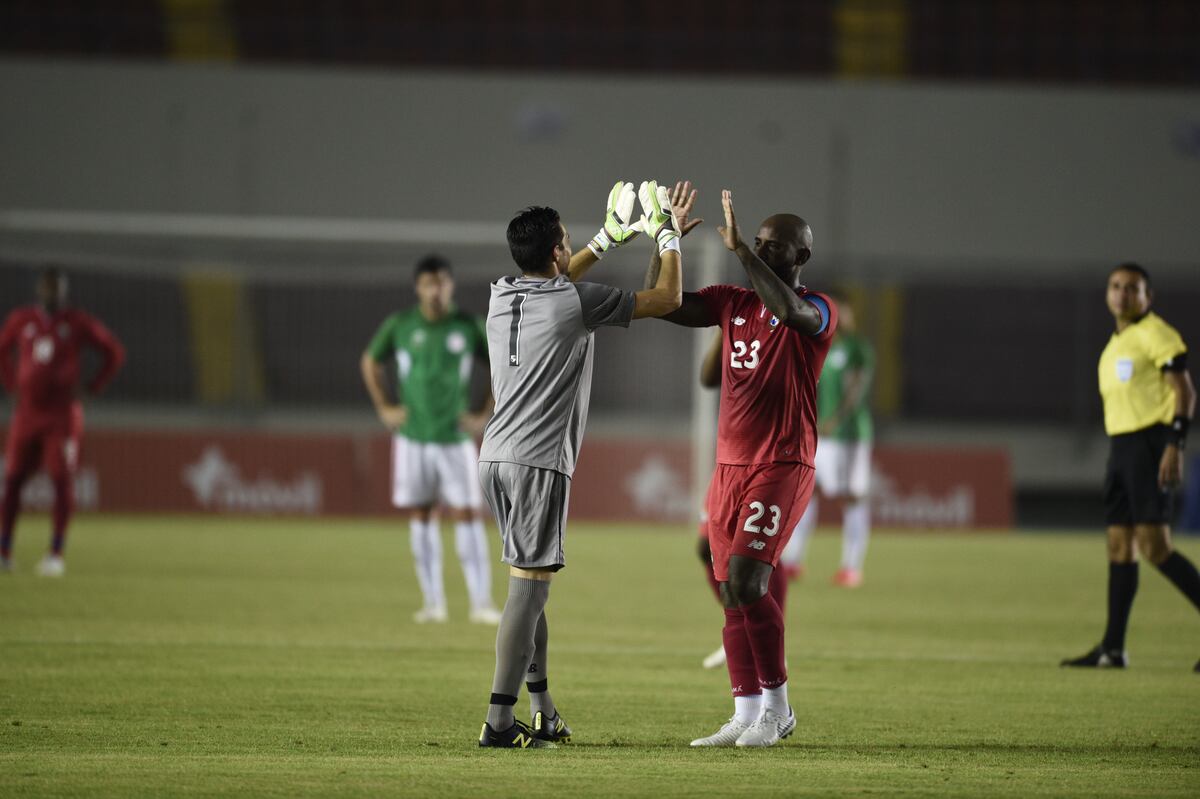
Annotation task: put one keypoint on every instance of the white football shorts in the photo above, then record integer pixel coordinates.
(435, 474)
(843, 468)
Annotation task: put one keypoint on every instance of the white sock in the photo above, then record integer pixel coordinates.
(797, 545)
(747, 709)
(776, 699)
(427, 557)
(856, 529)
(471, 542)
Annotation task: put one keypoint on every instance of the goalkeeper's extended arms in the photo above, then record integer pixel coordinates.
(658, 220)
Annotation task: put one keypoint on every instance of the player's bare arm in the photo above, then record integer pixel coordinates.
(392, 415)
(855, 385)
(473, 422)
(1170, 469)
(660, 223)
(667, 293)
(8, 340)
(780, 298)
(112, 354)
(710, 367)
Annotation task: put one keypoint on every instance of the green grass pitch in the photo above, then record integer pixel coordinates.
(194, 657)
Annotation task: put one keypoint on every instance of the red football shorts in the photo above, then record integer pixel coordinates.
(752, 510)
(49, 440)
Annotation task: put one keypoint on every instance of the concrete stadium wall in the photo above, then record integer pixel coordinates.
(901, 171)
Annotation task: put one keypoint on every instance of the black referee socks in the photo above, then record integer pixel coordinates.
(1122, 588)
(1182, 572)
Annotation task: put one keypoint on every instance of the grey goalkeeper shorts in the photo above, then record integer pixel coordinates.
(530, 505)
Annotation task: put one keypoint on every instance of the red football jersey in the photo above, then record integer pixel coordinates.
(768, 379)
(46, 373)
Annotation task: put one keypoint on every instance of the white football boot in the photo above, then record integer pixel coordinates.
(51, 566)
(487, 615)
(769, 729)
(726, 736)
(716, 659)
(431, 616)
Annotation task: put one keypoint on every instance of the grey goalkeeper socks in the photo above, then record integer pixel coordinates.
(515, 645)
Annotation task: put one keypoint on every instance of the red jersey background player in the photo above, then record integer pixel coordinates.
(774, 342)
(40, 348)
(710, 377)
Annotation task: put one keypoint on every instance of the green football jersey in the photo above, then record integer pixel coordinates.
(848, 353)
(433, 369)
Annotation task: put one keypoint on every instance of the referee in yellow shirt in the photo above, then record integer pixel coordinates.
(1149, 400)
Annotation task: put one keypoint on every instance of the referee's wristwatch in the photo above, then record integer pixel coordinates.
(1179, 429)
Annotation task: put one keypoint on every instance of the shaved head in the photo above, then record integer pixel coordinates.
(784, 243)
(790, 226)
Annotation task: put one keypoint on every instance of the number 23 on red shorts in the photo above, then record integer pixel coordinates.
(753, 509)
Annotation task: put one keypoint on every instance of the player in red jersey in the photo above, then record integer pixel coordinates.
(710, 377)
(774, 341)
(47, 423)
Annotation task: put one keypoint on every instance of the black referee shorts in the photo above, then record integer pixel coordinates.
(1131, 492)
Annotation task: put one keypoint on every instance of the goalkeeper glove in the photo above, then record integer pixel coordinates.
(658, 218)
(616, 230)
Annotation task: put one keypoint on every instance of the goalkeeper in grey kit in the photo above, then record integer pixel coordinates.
(540, 327)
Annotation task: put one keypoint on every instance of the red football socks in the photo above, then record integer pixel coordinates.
(743, 674)
(64, 503)
(764, 630)
(8, 512)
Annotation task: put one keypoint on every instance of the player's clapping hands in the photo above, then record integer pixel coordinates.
(618, 214)
(658, 216)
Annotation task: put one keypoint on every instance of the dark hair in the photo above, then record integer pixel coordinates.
(431, 263)
(532, 236)
(1137, 269)
(51, 272)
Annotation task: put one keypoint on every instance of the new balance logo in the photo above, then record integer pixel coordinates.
(757, 544)
(522, 740)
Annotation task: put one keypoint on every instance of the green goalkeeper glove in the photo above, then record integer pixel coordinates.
(658, 217)
(616, 230)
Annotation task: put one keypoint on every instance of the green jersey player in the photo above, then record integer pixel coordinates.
(434, 348)
(843, 459)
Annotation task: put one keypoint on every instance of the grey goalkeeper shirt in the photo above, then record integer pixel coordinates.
(540, 339)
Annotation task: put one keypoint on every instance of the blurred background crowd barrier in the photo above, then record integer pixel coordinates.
(240, 190)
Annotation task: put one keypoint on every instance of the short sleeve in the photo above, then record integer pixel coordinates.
(829, 316)
(1164, 344)
(381, 347)
(604, 305)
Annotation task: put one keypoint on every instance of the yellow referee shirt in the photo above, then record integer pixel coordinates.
(1136, 395)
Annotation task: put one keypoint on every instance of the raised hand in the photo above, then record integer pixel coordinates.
(617, 228)
(683, 198)
(729, 233)
(658, 217)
